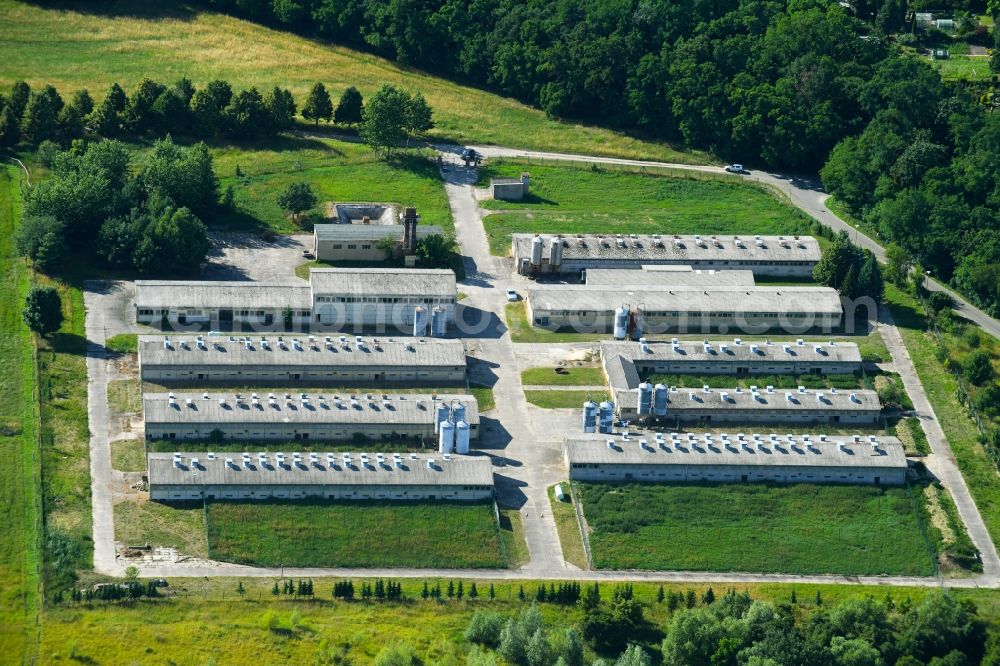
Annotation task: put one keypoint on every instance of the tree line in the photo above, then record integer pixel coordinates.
(156, 109)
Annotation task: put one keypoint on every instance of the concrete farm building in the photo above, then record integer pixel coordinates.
(736, 458)
(285, 416)
(708, 406)
(628, 363)
(334, 298)
(631, 311)
(341, 476)
(359, 229)
(548, 254)
(301, 361)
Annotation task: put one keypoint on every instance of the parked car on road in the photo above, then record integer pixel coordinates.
(736, 168)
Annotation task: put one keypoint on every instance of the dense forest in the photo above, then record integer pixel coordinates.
(798, 85)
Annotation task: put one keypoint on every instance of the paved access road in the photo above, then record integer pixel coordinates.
(805, 192)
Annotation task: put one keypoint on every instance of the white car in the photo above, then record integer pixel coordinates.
(512, 295)
(736, 168)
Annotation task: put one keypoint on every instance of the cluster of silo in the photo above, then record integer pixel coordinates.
(555, 255)
(437, 319)
(628, 322)
(598, 418)
(451, 428)
(652, 400)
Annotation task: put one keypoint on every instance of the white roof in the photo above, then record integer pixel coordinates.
(676, 249)
(413, 470)
(383, 281)
(200, 294)
(232, 350)
(299, 408)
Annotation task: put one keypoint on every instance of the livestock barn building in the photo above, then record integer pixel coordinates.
(361, 228)
(549, 254)
(738, 458)
(639, 360)
(334, 298)
(707, 406)
(337, 476)
(641, 310)
(299, 416)
(301, 361)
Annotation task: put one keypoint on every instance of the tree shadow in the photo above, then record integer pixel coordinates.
(135, 9)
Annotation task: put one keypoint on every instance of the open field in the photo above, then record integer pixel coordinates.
(940, 385)
(913, 437)
(559, 399)
(568, 528)
(180, 525)
(125, 396)
(207, 619)
(128, 455)
(963, 68)
(359, 534)
(123, 343)
(578, 199)
(756, 527)
(126, 41)
(20, 510)
(337, 171)
(515, 548)
(568, 376)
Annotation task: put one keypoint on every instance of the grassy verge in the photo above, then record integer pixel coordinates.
(914, 440)
(581, 199)
(127, 41)
(128, 455)
(125, 396)
(20, 510)
(807, 529)
(563, 399)
(512, 533)
(65, 439)
(484, 397)
(180, 525)
(123, 343)
(521, 329)
(567, 527)
(359, 534)
(956, 553)
(572, 376)
(979, 471)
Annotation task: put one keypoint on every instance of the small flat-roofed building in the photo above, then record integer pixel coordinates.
(334, 298)
(764, 404)
(681, 309)
(736, 357)
(510, 189)
(673, 276)
(286, 416)
(764, 255)
(335, 360)
(651, 458)
(359, 242)
(335, 476)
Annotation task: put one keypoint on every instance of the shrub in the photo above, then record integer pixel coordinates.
(978, 368)
(485, 628)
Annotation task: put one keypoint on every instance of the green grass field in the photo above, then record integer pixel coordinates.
(337, 171)
(126, 41)
(205, 621)
(128, 455)
(125, 395)
(801, 529)
(124, 343)
(560, 399)
(359, 534)
(571, 376)
(575, 199)
(963, 68)
(568, 528)
(179, 525)
(20, 510)
(979, 471)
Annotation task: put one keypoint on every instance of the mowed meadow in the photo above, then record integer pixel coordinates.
(800, 529)
(359, 534)
(89, 45)
(572, 199)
